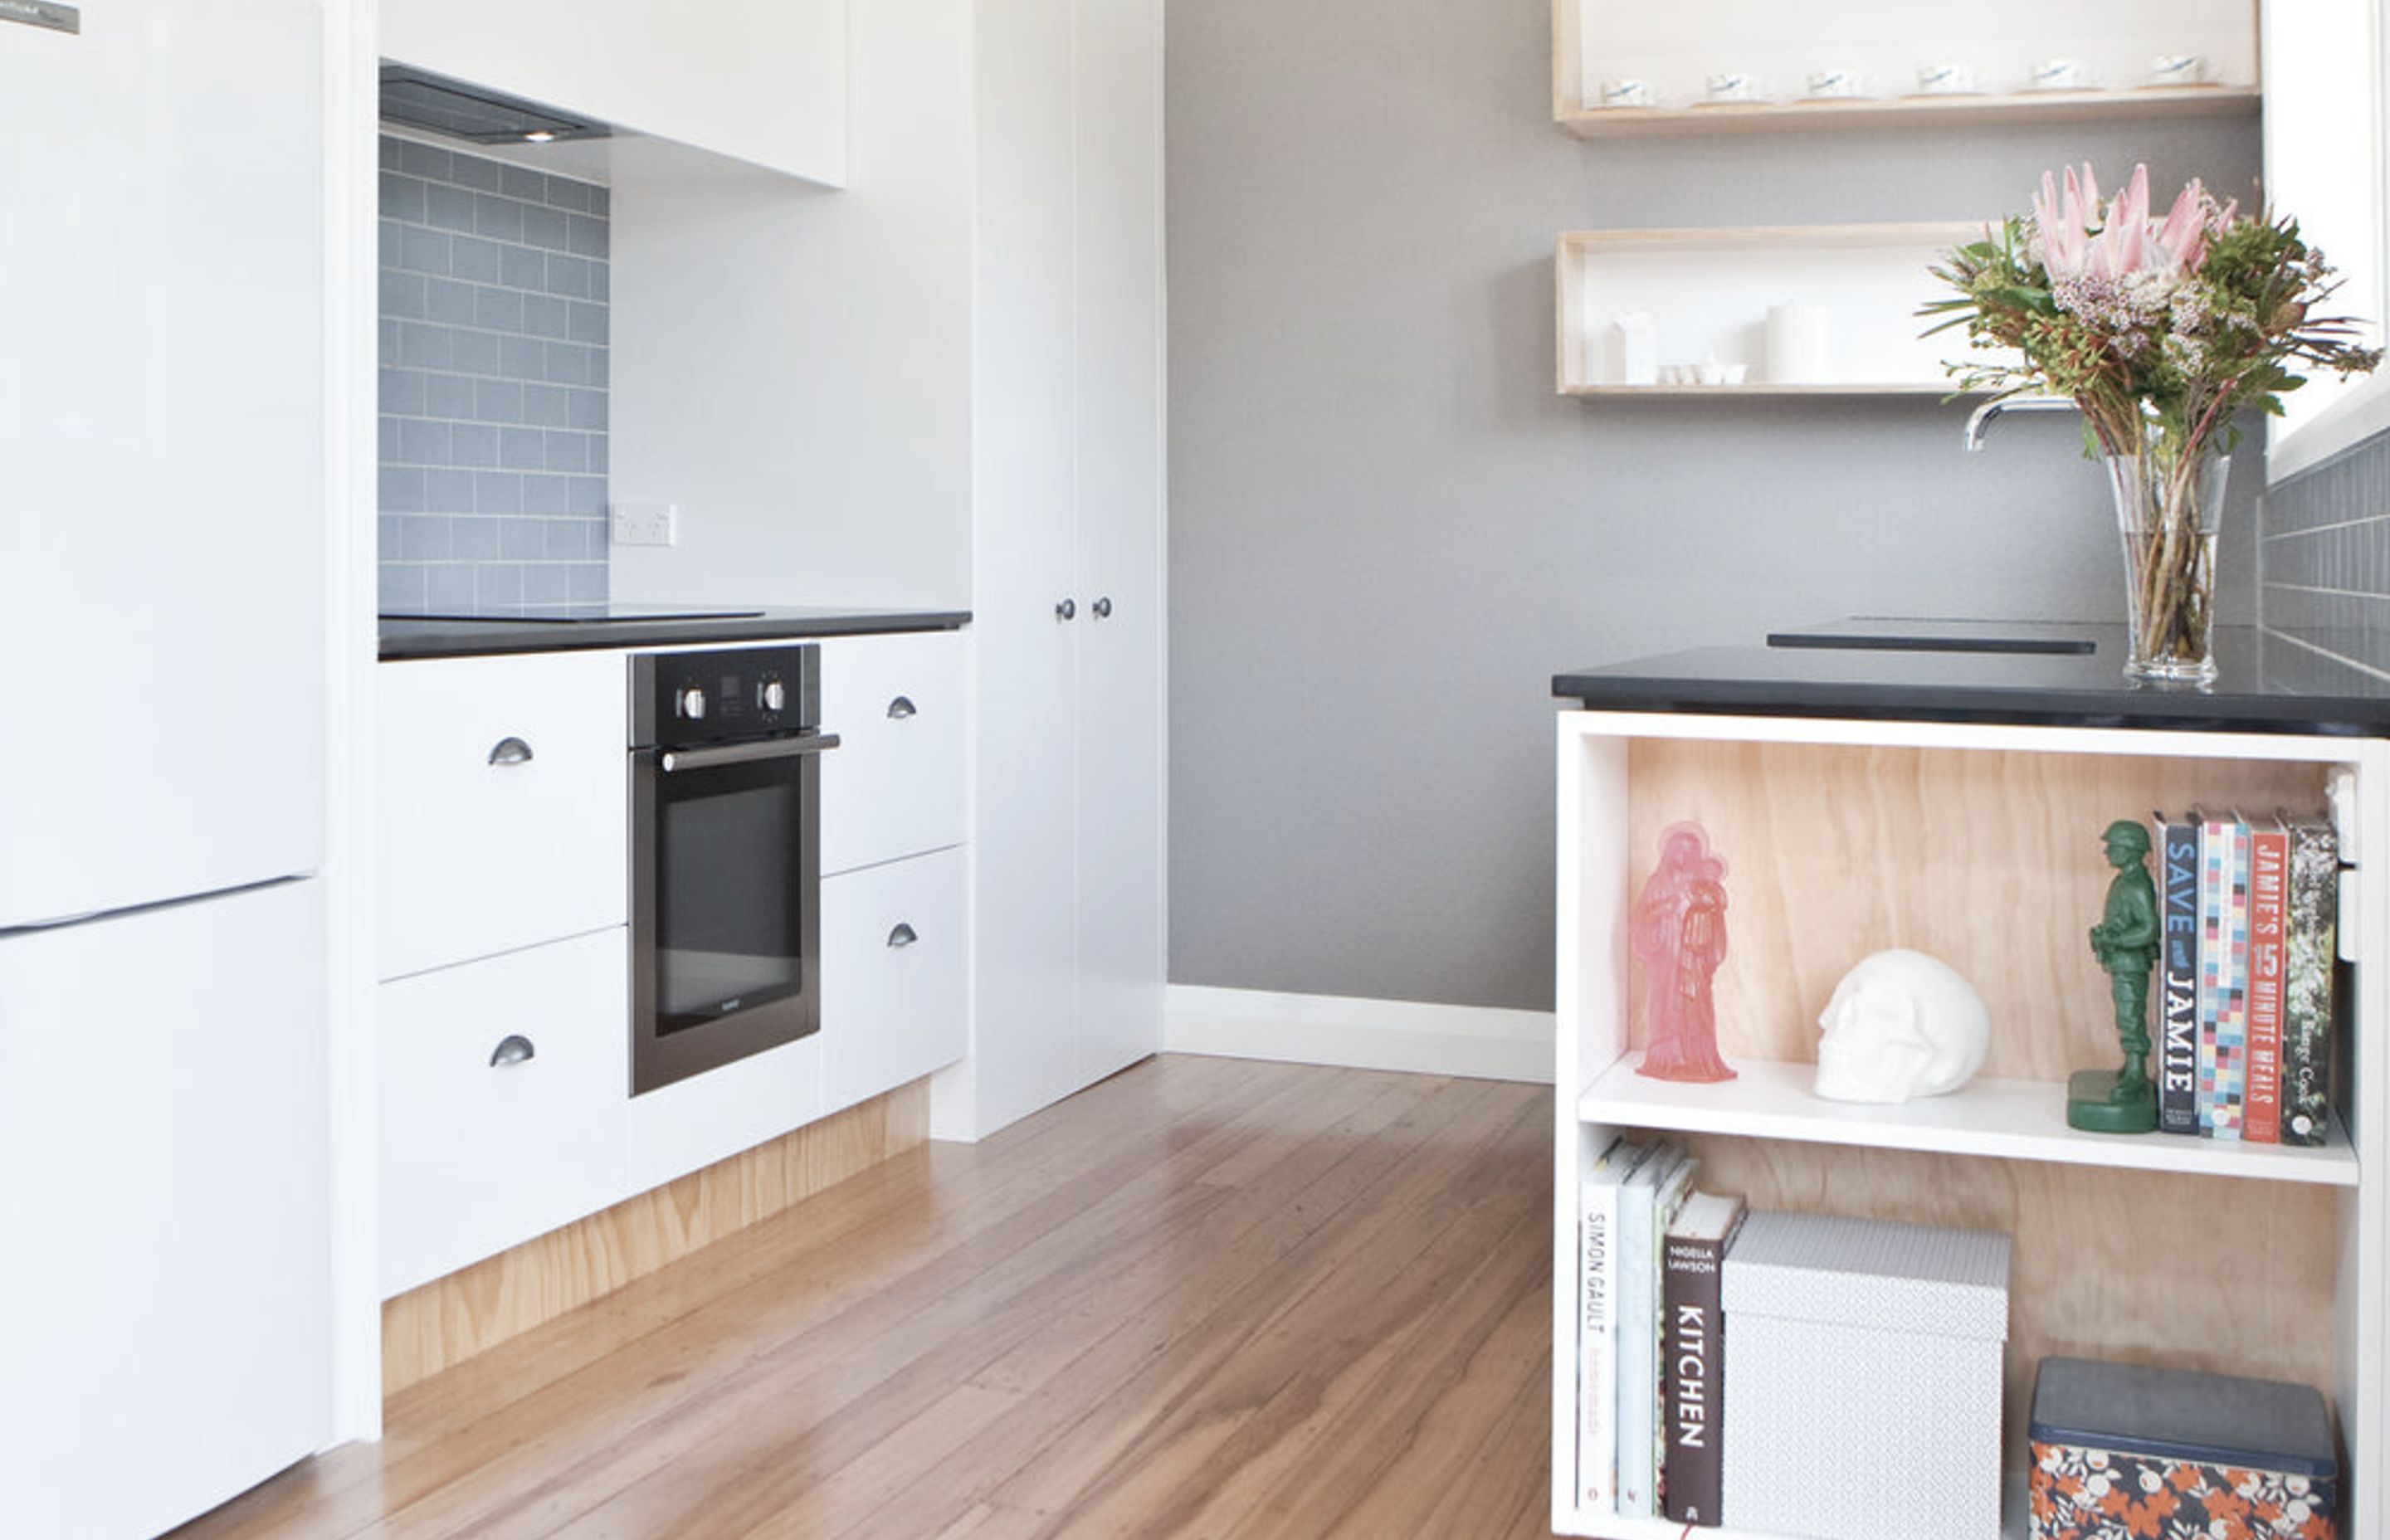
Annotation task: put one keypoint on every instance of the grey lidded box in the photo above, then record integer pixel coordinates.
(1863, 1379)
(2181, 1449)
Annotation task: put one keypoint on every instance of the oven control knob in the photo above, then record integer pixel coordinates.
(774, 695)
(690, 702)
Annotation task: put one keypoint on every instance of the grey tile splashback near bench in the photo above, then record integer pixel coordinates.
(494, 339)
(2324, 567)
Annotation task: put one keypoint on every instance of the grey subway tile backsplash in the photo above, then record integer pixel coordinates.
(493, 334)
(2324, 567)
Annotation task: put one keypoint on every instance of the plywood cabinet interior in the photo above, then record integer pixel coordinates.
(1979, 845)
(1675, 50)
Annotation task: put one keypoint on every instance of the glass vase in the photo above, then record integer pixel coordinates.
(2169, 502)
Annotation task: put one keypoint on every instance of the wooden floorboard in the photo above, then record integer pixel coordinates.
(1207, 1298)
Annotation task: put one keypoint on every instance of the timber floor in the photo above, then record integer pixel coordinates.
(1206, 1297)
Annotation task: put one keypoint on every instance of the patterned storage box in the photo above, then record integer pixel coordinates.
(1863, 1379)
(2125, 1453)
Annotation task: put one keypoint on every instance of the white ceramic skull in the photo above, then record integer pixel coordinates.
(1901, 1025)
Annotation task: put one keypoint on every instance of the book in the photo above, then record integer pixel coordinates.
(1639, 1320)
(2178, 1045)
(2223, 973)
(1674, 1194)
(1604, 1171)
(2269, 862)
(2310, 937)
(1694, 1257)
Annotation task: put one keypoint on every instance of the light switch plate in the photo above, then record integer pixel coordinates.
(645, 525)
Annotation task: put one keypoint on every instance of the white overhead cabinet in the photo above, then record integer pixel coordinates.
(1067, 596)
(764, 83)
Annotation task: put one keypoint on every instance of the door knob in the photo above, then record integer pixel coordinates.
(1066, 610)
(1102, 607)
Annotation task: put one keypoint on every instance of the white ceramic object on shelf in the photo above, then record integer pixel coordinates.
(1836, 85)
(1731, 86)
(1800, 344)
(2061, 74)
(1629, 93)
(2178, 69)
(1947, 80)
(1632, 349)
(1901, 1025)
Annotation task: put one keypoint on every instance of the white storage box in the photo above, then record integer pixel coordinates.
(1863, 1379)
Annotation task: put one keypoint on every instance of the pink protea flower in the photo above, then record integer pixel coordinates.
(2066, 226)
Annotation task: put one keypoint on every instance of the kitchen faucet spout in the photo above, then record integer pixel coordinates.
(1982, 417)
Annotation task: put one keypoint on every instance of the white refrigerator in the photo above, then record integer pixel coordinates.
(165, 1212)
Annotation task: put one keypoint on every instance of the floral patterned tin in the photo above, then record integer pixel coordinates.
(2121, 1453)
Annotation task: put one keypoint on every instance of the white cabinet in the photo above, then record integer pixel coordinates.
(1066, 607)
(503, 804)
(761, 81)
(1976, 842)
(503, 1085)
(895, 975)
(166, 1316)
(893, 786)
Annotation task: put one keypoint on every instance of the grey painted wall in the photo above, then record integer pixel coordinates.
(1387, 533)
(494, 296)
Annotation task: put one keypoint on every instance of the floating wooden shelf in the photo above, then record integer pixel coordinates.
(1627, 122)
(1708, 291)
(2017, 1120)
(1673, 49)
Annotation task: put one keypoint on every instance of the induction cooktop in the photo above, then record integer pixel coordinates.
(577, 614)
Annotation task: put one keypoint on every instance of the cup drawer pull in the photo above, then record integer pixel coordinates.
(510, 750)
(901, 708)
(512, 1049)
(904, 935)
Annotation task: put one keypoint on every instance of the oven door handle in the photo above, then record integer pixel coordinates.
(745, 753)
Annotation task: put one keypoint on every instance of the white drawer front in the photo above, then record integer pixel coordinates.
(476, 1158)
(894, 787)
(894, 948)
(481, 850)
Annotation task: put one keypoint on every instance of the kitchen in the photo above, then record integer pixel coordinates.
(782, 418)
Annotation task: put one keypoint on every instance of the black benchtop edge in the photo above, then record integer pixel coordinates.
(408, 640)
(2176, 711)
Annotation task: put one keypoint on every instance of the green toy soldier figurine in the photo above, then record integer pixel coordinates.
(2125, 942)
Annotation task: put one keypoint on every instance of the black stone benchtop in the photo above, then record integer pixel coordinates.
(2030, 672)
(406, 637)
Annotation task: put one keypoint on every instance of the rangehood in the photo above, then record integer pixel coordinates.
(454, 110)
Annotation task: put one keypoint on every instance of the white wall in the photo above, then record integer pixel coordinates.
(791, 365)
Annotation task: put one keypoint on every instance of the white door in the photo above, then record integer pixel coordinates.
(1120, 521)
(165, 1315)
(162, 436)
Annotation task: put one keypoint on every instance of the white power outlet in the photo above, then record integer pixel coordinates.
(645, 525)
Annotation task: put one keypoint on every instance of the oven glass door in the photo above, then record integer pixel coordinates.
(730, 912)
(726, 932)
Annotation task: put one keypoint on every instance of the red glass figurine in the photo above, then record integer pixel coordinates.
(1679, 933)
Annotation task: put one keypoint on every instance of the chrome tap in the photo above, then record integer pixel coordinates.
(1983, 416)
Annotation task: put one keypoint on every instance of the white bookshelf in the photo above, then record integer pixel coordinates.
(2012, 1120)
(1979, 843)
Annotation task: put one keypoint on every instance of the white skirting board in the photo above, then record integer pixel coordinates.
(1478, 1041)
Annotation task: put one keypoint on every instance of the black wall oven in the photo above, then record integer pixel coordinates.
(726, 861)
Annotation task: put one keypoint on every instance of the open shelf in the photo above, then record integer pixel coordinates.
(1953, 110)
(2017, 1119)
(1708, 292)
(1672, 50)
(2016, 1522)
